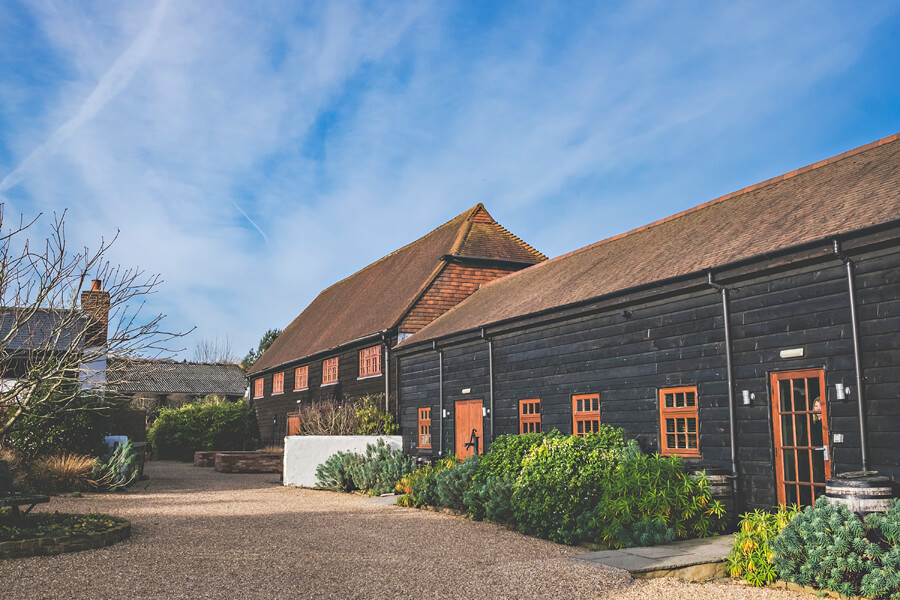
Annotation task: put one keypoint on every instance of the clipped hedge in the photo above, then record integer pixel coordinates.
(211, 424)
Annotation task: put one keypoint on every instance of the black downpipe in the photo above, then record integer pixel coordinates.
(440, 395)
(729, 365)
(490, 343)
(857, 354)
(387, 375)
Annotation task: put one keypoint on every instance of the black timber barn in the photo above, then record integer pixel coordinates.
(339, 346)
(789, 289)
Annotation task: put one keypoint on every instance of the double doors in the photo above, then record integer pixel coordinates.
(802, 454)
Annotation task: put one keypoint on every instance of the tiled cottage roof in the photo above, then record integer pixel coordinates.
(377, 297)
(46, 329)
(169, 377)
(851, 191)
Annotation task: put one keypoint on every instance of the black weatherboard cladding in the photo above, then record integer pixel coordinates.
(679, 340)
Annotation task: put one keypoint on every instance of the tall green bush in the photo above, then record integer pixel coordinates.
(752, 558)
(648, 499)
(560, 483)
(211, 424)
(506, 455)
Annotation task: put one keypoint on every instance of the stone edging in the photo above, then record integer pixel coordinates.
(64, 543)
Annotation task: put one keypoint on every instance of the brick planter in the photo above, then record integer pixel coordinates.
(65, 543)
(205, 459)
(249, 462)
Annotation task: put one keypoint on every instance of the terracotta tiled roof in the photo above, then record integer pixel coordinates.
(377, 297)
(851, 191)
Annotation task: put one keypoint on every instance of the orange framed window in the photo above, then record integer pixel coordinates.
(278, 383)
(530, 416)
(370, 361)
(585, 413)
(258, 388)
(425, 427)
(301, 378)
(330, 370)
(678, 421)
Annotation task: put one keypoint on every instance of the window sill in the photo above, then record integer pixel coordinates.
(328, 384)
(368, 377)
(301, 389)
(278, 393)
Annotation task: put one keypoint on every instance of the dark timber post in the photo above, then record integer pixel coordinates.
(729, 365)
(387, 376)
(857, 359)
(440, 395)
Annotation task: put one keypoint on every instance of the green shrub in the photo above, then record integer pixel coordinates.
(375, 472)
(379, 470)
(45, 432)
(419, 488)
(648, 499)
(335, 473)
(829, 547)
(211, 424)
(371, 419)
(752, 557)
(492, 500)
(560, 483)
(453, 484)
(506, 455)
(118, 470)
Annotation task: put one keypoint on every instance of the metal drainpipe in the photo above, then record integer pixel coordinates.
(490, 343)
(857, 354)
(387, 374)
(440, 396)
(729, 365)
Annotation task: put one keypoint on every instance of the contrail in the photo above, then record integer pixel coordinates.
(252, 222)
(112, 83)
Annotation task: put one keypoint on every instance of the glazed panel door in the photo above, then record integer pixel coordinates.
(802, 457)
(469, 419)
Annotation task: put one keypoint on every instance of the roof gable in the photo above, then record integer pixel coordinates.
(851, 191)
(378, 296)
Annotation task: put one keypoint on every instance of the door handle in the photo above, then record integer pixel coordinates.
(825, 450)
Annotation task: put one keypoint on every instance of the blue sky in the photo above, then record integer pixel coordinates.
(255, 153)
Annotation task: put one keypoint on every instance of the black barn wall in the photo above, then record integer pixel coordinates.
(680, 341)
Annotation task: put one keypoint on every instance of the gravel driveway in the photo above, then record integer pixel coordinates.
(202, 534)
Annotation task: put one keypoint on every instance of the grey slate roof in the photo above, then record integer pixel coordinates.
(170, 377)
(36, 333)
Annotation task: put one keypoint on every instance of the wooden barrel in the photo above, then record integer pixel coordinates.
(863, 492)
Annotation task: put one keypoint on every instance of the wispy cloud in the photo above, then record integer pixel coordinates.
(112, 83)
(254, 155)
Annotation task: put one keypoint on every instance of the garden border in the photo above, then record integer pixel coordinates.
(65, 543)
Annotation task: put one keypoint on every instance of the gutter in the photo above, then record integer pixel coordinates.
(440, 396)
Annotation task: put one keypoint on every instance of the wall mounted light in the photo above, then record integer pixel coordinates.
(747, 395)
(792, 353)
(446, 413)
(467, 391)
(485, 411)
(842, 392)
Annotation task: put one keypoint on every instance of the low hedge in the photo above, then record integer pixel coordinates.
(211, 424)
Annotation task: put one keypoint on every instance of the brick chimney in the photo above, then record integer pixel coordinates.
(95, 303)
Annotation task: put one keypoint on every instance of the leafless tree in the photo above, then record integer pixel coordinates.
(215, 351)
(55, 346)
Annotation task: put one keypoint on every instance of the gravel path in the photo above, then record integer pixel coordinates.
(201, 534)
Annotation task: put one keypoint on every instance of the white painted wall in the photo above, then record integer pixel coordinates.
(303, 453)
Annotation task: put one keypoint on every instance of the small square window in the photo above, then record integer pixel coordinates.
(585, 414)
(330, 370)
(370, 361)
(301, 378)
(278, 383)
(679, 419)
(530, 416)
(258, 388)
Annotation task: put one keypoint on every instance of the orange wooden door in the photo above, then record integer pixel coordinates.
(468, 419)
(802, 457)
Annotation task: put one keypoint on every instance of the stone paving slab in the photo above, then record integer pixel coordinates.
(662, 559)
